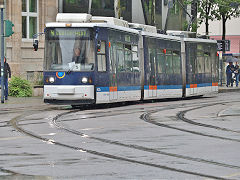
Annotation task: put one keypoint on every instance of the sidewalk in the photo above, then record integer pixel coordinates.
(224, 88)
(21, 102)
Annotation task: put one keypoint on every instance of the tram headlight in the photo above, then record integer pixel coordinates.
(84, 80)
(51, 79)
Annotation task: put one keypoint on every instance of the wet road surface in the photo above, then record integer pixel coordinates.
(196, 138)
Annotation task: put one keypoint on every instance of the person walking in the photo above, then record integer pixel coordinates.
(7, 77)
(229, 72)
(236, 73)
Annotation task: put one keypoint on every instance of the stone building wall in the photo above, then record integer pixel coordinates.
(23, 60)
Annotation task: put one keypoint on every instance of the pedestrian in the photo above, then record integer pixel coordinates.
(229, 73)
(236, 73)
(7, 77)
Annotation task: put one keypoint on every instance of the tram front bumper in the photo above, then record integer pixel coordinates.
(68, 93)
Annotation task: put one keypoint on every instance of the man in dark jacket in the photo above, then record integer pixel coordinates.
(7, 71)
(229, 73)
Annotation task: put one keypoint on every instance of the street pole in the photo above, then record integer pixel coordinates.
(2, 56)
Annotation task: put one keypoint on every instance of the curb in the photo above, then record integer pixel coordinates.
(228, 89)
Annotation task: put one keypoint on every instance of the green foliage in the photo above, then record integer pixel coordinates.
(194, 27)
(185, 26)
(206, 12)
(209, 10)
(227, 9)
(19, 87)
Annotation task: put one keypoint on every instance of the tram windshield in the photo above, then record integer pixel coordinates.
(69, 49)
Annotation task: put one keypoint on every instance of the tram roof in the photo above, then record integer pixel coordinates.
(160, 36)
(200, 40)
(91, 25)
(177, 38)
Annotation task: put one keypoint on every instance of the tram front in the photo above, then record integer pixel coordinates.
(69, 65)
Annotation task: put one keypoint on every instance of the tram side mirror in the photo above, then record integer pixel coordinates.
(98, 46)
(35, 45)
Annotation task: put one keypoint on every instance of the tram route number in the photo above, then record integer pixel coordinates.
(223, 43)
(69, 33)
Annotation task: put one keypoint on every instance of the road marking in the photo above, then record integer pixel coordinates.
(21, 137)
(232, 175)
(12, 138)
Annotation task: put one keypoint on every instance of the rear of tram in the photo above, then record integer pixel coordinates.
(69, 65)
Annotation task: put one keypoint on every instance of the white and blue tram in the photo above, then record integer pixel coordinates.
(93, 60)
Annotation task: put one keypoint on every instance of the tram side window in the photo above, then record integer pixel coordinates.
(135, 59)
(176, 62)
(214, 61)
(200, 62)
(160, 61)
(120, 58)
(152, 60)
(207, 62)
(191, 57)
(101, 57)
(125, 57)
(128, 57)
(112, 57)
(169, 64)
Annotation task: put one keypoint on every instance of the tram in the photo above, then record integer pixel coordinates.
(94, 60)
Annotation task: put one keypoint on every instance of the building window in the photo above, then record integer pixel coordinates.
(75, 6)
(29, 18)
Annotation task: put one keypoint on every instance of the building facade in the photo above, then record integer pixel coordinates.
(30, 17)
(232, 33)
(164, 14)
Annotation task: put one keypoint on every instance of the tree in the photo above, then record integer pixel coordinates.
(205, 10)
(225, 10)
(149, 11)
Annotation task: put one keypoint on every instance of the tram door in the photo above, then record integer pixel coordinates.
(152, 72)
(113, 94)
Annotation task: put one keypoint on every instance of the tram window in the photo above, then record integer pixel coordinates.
(112, 59)
(152, 60)
(128, 58)
(207, 62)
(160, 62)
(191, 55)
(200, 62)
(101, 57)
(214, 61)
(169, 65)
(135, 59)
(120, 58)
(176, 62)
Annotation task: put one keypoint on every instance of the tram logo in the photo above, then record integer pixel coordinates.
(60, 75)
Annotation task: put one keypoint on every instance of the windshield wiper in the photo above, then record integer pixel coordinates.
(70, 69)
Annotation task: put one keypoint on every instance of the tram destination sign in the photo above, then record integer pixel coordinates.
(68, 33)
(223, 43)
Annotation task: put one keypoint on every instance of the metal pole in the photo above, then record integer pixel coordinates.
(221, 72)
(2, 57)
(89, 6)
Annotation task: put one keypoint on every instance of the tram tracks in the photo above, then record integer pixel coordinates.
(15, 124)
(16, 120)
(133, 146)
(181, 116)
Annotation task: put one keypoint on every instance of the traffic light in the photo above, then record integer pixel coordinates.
(35, 45)
(8, 28)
